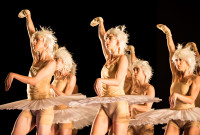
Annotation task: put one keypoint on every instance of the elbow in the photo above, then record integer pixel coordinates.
(33, 81)
(192, 101)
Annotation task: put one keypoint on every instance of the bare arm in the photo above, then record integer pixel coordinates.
(120, 73)
(194, 91)
(147, 106)
(30, 28)
(48, 69)
(170, 45)
(101, 34)
(131, 48)
(194, 48)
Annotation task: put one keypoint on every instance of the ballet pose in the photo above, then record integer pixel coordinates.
(38, 81)
(182, 115)
(38, 108)
(111, 84)
(64, 83)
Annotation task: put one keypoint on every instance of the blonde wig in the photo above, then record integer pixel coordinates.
(48, 36)
(66, 57)
(144, 65)
(122, 36)
(186, 54)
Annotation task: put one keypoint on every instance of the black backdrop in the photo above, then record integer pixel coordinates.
(70, 21)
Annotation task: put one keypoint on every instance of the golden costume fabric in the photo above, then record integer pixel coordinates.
(183, 89)
(117, 111)
(139, 129)
(42, 89)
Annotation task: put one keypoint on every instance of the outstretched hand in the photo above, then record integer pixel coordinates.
(98, 87)
(8, 81)
(96, 21)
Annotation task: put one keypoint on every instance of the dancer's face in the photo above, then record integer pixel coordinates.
(111, 42)
(59, 63)
(38, 43)
(138, 73)
(181, 64)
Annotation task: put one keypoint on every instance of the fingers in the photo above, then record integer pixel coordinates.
(96, 21)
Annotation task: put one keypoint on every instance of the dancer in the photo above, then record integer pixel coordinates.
(142, 73)
(63, 84)
(113, 76)
(182, 115)
(38, 82)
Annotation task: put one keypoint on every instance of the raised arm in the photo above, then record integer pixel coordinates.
(101, 33)
(30, 28)
(170, 45)
(47, 70)
(131, 49)
(194, 48)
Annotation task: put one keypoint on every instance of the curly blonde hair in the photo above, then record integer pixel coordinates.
(122, 36)
(144, 65)
(48, 36)
(186, 54)
(66, 57)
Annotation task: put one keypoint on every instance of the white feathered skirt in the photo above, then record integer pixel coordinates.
(163, 116)
(41, 103)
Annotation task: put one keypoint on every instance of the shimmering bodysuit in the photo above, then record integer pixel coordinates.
(117, 111)
(39, 91)
(142, 129)
(61, 85)
(183, 89)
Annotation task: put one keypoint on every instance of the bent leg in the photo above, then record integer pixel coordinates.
(44, 120)
(172, 129)
(100, 125)
(24, 123)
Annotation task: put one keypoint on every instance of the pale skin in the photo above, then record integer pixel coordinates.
(70, 80)
(140, 85)
(110, 47)
(24, 125)
(180, 73)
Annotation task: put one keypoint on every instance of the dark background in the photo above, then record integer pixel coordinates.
(70, 21)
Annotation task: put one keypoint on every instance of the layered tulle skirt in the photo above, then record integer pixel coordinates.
(80, 116)
(131, 99)
(163, 116)
(39, 104)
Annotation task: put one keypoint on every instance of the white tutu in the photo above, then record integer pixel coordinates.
(162, 116)
(132, 99)
(81, 116)
(41, 103)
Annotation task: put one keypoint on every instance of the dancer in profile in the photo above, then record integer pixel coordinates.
(38, 82)
(111, 84)
(182, 115)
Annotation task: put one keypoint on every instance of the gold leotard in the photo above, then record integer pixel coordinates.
(184, 89)
(141, 129)
(39, 91)
(61, 85)
(117, 111)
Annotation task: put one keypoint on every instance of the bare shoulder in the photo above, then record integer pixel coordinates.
(71, 76)
(150, 90)
(196, 78)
